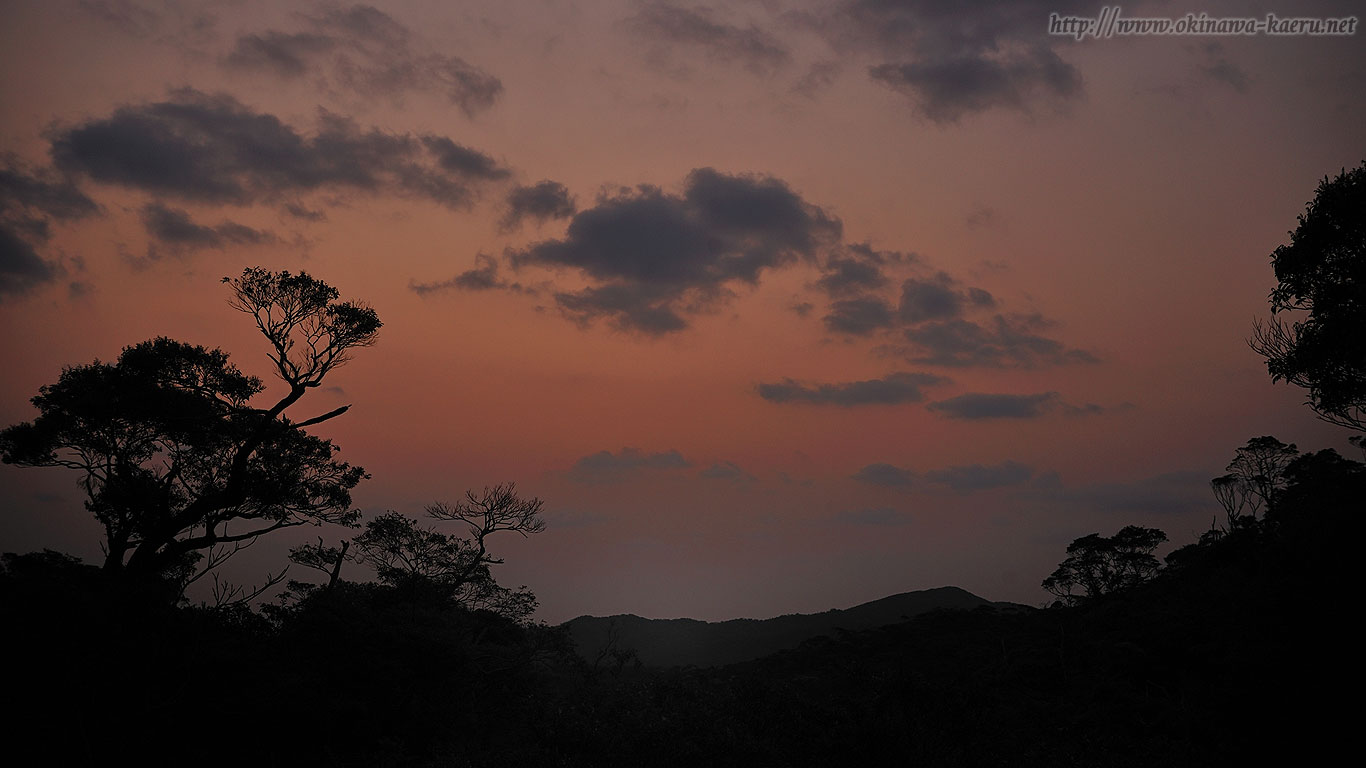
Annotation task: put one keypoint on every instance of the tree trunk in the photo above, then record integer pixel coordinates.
(336, 567)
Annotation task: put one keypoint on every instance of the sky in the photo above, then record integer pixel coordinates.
(779, 306)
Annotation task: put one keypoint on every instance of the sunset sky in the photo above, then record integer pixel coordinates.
(780, 306)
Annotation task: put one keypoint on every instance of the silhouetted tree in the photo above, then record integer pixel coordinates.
(176, 465)
(610, 650)
(1323, 272)
(1322, 494)
(405, 554)
(1099, 565)
(1255, 477)
(320, 557)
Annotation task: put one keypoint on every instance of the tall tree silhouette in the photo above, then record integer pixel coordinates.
(1255, 477)
(1099, 565)
(1322, 272)
(176, 465)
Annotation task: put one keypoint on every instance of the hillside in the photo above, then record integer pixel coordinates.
(1237, 653)
(683, 642)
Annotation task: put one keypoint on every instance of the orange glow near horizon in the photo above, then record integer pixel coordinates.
(1134, 216)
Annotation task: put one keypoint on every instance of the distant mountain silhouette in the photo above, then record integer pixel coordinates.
(682, 642)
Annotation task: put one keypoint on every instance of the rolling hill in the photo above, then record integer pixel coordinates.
(682, 642)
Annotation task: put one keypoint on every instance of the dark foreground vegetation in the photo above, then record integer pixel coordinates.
(1238, 650)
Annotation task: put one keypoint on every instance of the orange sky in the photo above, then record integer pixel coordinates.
(1125, 193)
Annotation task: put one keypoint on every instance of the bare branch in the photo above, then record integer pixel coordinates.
(226, 594)
(320, 419)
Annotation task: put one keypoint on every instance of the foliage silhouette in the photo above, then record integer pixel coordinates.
(175, 463)
(1100, 565)
(1323, 272)
(1322, 496)
(363, 674)
(1255, 477)
(406, 555)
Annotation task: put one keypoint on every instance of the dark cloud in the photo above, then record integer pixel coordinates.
(303, 212)
(851, 274)
(727, 470)
(723, 227)
(947, 89)
(35, 229)
(957, 59)
(938, 297)
(656, 257)
(981, 298)
(697, 28)
(43, 193)
(956, 343)
(892, 389)
(462, 161)
(933, 311)
(1003, 341)
(212, 148)
(975, 406)
(933, 299)
(859, 317)
(876, 516)
(885, 475)
(645, 237)
(637, 308)
(605, 466)
(175, 228)
(979, 477)
(29, 201)
(1091, 409)
(285, 54)
(539, 202)
(484, 277)
(366, 51)
(21, 268)
(364, 22)
(932, 307)
(866, 252)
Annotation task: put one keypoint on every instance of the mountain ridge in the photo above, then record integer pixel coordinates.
(692, 642)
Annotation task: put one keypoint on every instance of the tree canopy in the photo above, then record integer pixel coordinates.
(176, 464)
(1255, 477)
(1099, 565)
(1322, 273)
(406, 555)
